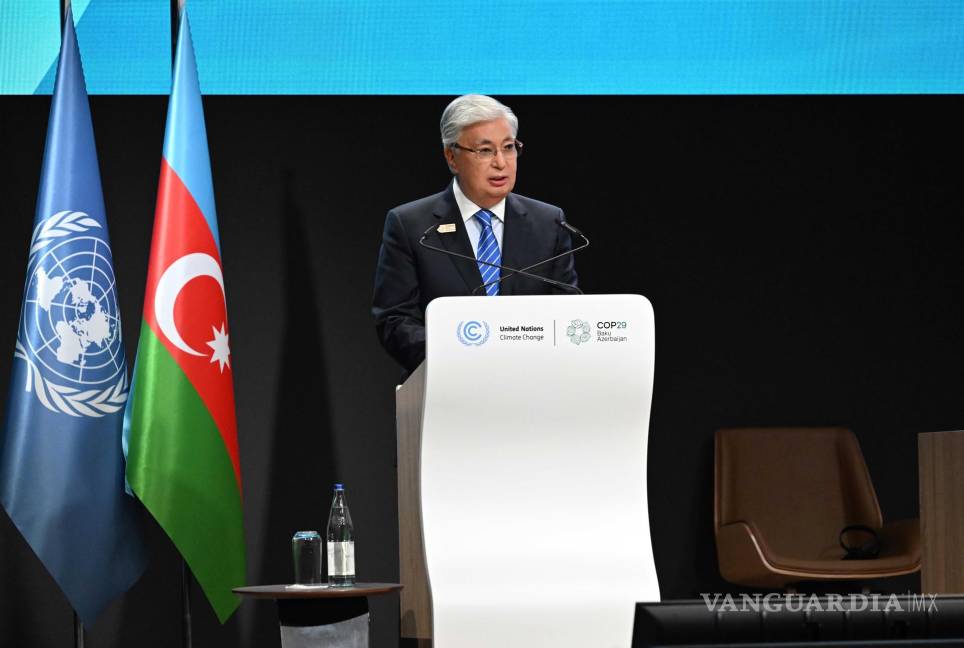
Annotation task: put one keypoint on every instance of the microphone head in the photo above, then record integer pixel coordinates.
(569, 227)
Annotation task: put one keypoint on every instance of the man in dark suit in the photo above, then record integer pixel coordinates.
(477, 216)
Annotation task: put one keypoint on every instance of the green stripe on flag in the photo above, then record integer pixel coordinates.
(178, 466)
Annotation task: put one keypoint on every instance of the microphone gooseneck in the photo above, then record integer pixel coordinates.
(569, 228)
(513, 271)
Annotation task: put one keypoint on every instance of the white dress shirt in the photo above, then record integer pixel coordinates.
(472, 226)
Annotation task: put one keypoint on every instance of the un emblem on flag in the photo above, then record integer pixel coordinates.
(70, 330)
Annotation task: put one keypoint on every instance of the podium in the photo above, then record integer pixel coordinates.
(523, 511)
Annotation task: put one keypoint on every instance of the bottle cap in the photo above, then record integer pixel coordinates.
(339, 487)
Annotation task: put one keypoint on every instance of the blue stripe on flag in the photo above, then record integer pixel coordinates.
(185, 138)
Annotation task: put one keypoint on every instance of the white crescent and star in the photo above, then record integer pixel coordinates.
(175, 277)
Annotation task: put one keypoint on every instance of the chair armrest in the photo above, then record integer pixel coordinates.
(742, 553)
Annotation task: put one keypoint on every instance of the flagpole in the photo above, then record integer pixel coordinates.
(78, 624)
(185, 603)
(78, 632)
(176, 7)
(187, 640)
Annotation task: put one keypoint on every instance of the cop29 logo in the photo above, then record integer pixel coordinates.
(578, 331)
(473, 333)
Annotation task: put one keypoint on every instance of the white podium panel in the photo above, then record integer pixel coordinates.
(533, 469)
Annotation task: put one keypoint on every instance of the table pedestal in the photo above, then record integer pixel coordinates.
(328, 617)
(333, 623)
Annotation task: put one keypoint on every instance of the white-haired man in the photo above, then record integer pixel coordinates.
(477, 216)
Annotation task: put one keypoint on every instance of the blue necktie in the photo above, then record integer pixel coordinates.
(488, 250)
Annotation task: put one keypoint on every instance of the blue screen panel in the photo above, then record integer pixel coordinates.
(125, 46)
(502, 47)
(580, 47)
(29, 42)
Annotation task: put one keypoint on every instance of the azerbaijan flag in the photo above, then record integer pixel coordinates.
(180, 426)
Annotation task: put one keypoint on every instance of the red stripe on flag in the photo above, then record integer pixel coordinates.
(199, 308)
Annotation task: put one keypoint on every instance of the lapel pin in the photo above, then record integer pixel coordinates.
(446, 228)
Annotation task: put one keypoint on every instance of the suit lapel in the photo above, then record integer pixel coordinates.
(447, 212)
(516, 237)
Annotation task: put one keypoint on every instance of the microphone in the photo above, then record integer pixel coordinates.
(512, 271)
(569, 228)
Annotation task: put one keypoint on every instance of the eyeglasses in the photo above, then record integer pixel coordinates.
(510, 150)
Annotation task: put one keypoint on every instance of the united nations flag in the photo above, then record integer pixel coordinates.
(61, 462)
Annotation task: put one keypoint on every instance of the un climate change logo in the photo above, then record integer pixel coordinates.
(70, 330)
(473, 333)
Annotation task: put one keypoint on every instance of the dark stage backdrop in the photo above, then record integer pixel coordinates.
(803, 255)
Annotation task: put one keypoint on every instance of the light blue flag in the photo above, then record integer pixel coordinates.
(61, 466)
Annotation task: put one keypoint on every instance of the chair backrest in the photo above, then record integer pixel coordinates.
(798, 486)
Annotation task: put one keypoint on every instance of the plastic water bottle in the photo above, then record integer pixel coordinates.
(341, 542)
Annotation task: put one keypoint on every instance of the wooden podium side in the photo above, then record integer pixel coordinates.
(941, 466)
(416, 597)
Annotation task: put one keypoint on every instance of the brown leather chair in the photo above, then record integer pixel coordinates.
(782, 497)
